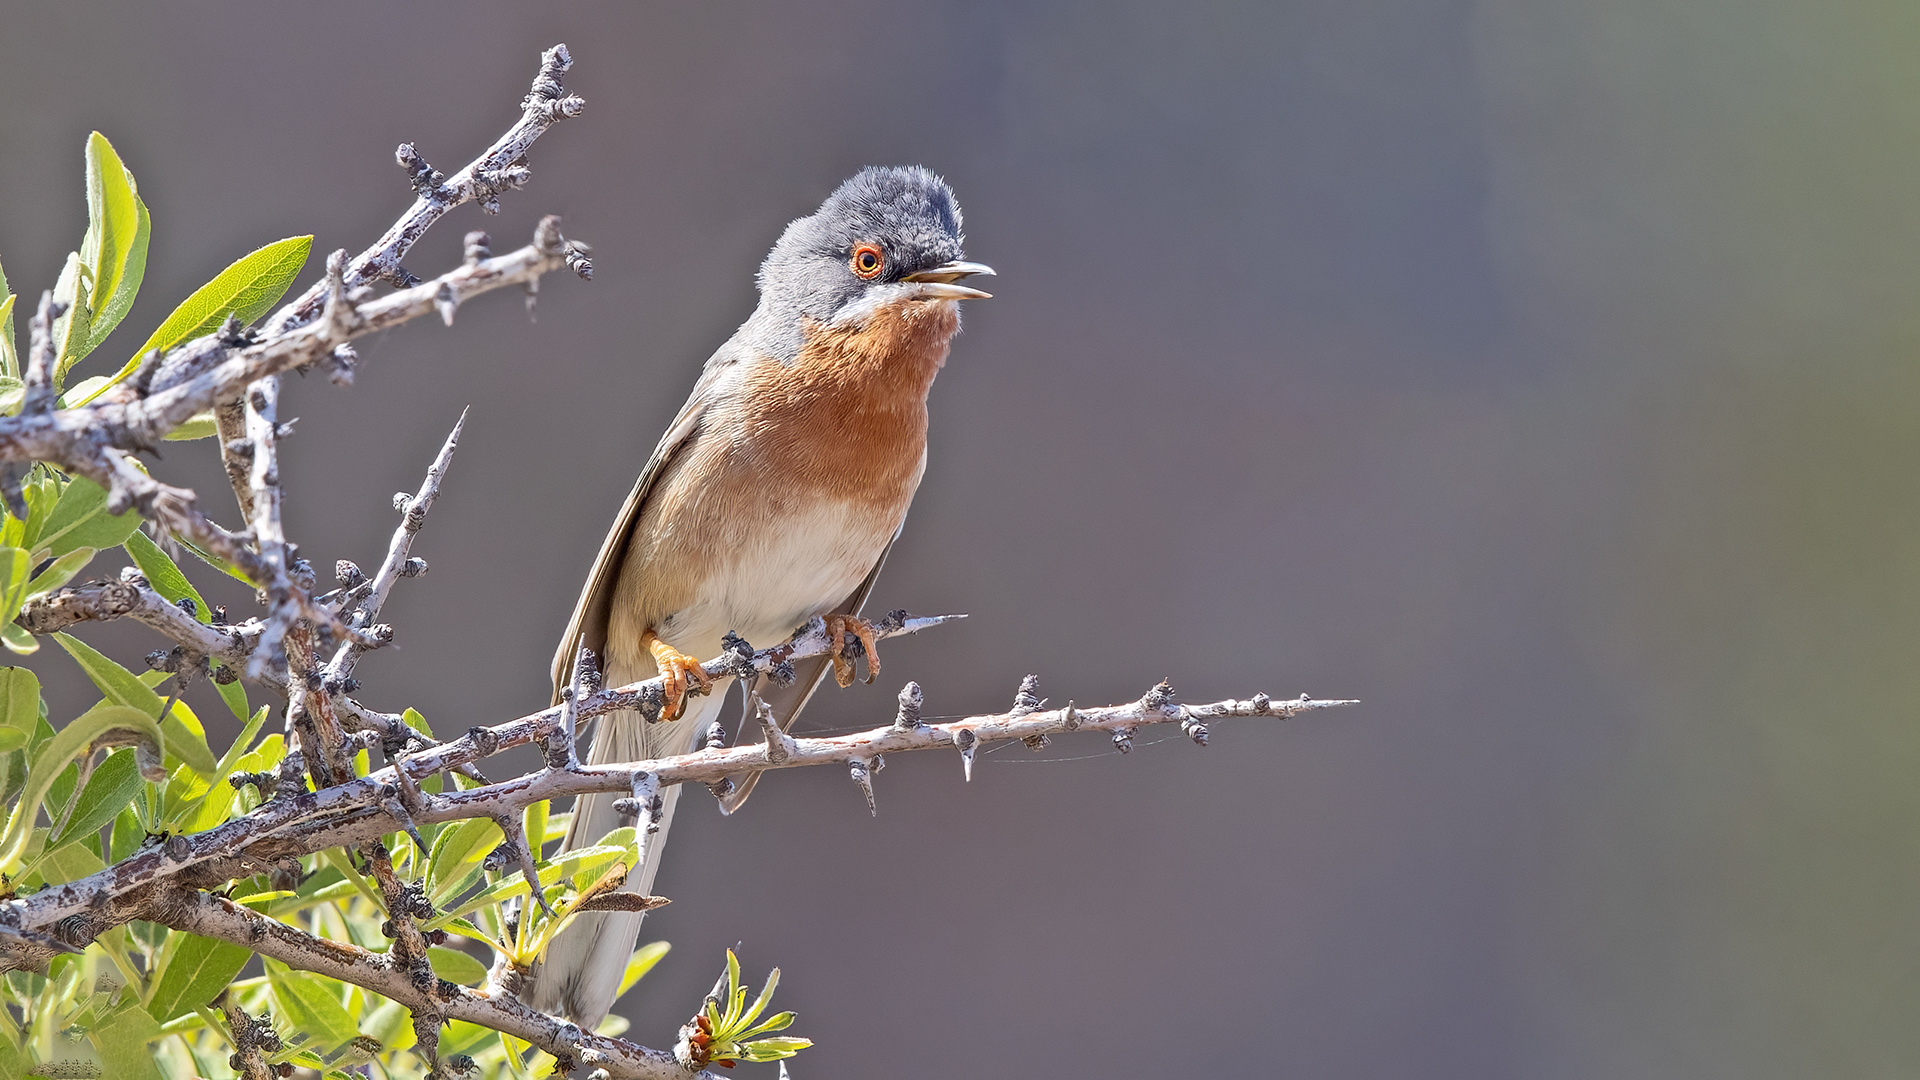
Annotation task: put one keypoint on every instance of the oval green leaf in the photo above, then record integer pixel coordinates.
(80, 519)
(61, 572)
(247, 289)
(9, 357)
(111, 787)
(54, 755)
(14, 564)
(114, 251)
(186, 739)
(198, 971)
(457, 850)
(308, 1002)
(456, 966)
(19, 701)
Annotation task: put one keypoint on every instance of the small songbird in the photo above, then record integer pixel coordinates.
(772, 499)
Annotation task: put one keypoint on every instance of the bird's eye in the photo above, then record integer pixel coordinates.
(867, 261)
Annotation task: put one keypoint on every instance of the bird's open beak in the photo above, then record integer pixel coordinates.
(938, 283)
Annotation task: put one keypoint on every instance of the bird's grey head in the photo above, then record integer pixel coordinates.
(888, 234)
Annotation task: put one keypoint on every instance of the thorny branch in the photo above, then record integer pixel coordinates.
(360, 810)
(212, 916)
(165, 883)
(502, 168)
(371, 593)
(236, 374)
(96, 441)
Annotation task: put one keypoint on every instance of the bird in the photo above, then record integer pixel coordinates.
(772, 499)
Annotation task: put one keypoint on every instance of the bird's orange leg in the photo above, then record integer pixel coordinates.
(838, 627)
(681, 675)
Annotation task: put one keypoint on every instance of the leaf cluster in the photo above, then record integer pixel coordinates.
(136, 768)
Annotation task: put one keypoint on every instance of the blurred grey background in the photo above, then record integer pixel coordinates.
(1542, 373)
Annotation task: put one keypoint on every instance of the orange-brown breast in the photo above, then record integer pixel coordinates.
(844, 426)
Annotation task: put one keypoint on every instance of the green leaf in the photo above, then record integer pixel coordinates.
(308, 1003)
(86, 388)
(9, 356)
(467, 930)
(61, 572)
(198, 971)
(70, 862)
(13, 1060)
(737, 993)
(165, 577)
(122, 1042)
(773, 1049)
(14, 564)
(417, 722)
(17, 639)
(641, 962)
(42, 493)
(53, 757)
(338, 890)
(760, 1003)
(186, 739)
(777, 1022)
(578, 861)
(391, 1024)
(456, 851)
(70, 288)
(111, 787)
(80, 519)
(455, 966)
(240, 746)
(534, 821)
(19, 700)
(215, 561)
(128, 834)
(247, 289)
(114, 252)
(167, 580)
(198, 426)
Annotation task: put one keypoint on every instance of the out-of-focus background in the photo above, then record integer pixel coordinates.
(1544, 373)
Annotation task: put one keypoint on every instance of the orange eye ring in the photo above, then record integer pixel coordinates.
(868, 261)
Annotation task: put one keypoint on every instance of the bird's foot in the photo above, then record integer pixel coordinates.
(681, 676)
(838, 627)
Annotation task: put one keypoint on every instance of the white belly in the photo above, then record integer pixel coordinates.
(784, 574)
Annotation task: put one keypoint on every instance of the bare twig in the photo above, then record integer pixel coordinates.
(263, 481)
(41, 357)
(413, 515)
(501, 168)
(132, 598)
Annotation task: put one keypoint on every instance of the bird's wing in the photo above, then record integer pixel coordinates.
(588, 625)
(787, 701)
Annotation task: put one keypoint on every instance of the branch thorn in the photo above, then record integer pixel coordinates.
(968, 742)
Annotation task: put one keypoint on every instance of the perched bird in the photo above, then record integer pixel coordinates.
(772, 498)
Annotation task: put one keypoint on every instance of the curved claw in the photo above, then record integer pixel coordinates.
(681, 675)
(838, 627)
